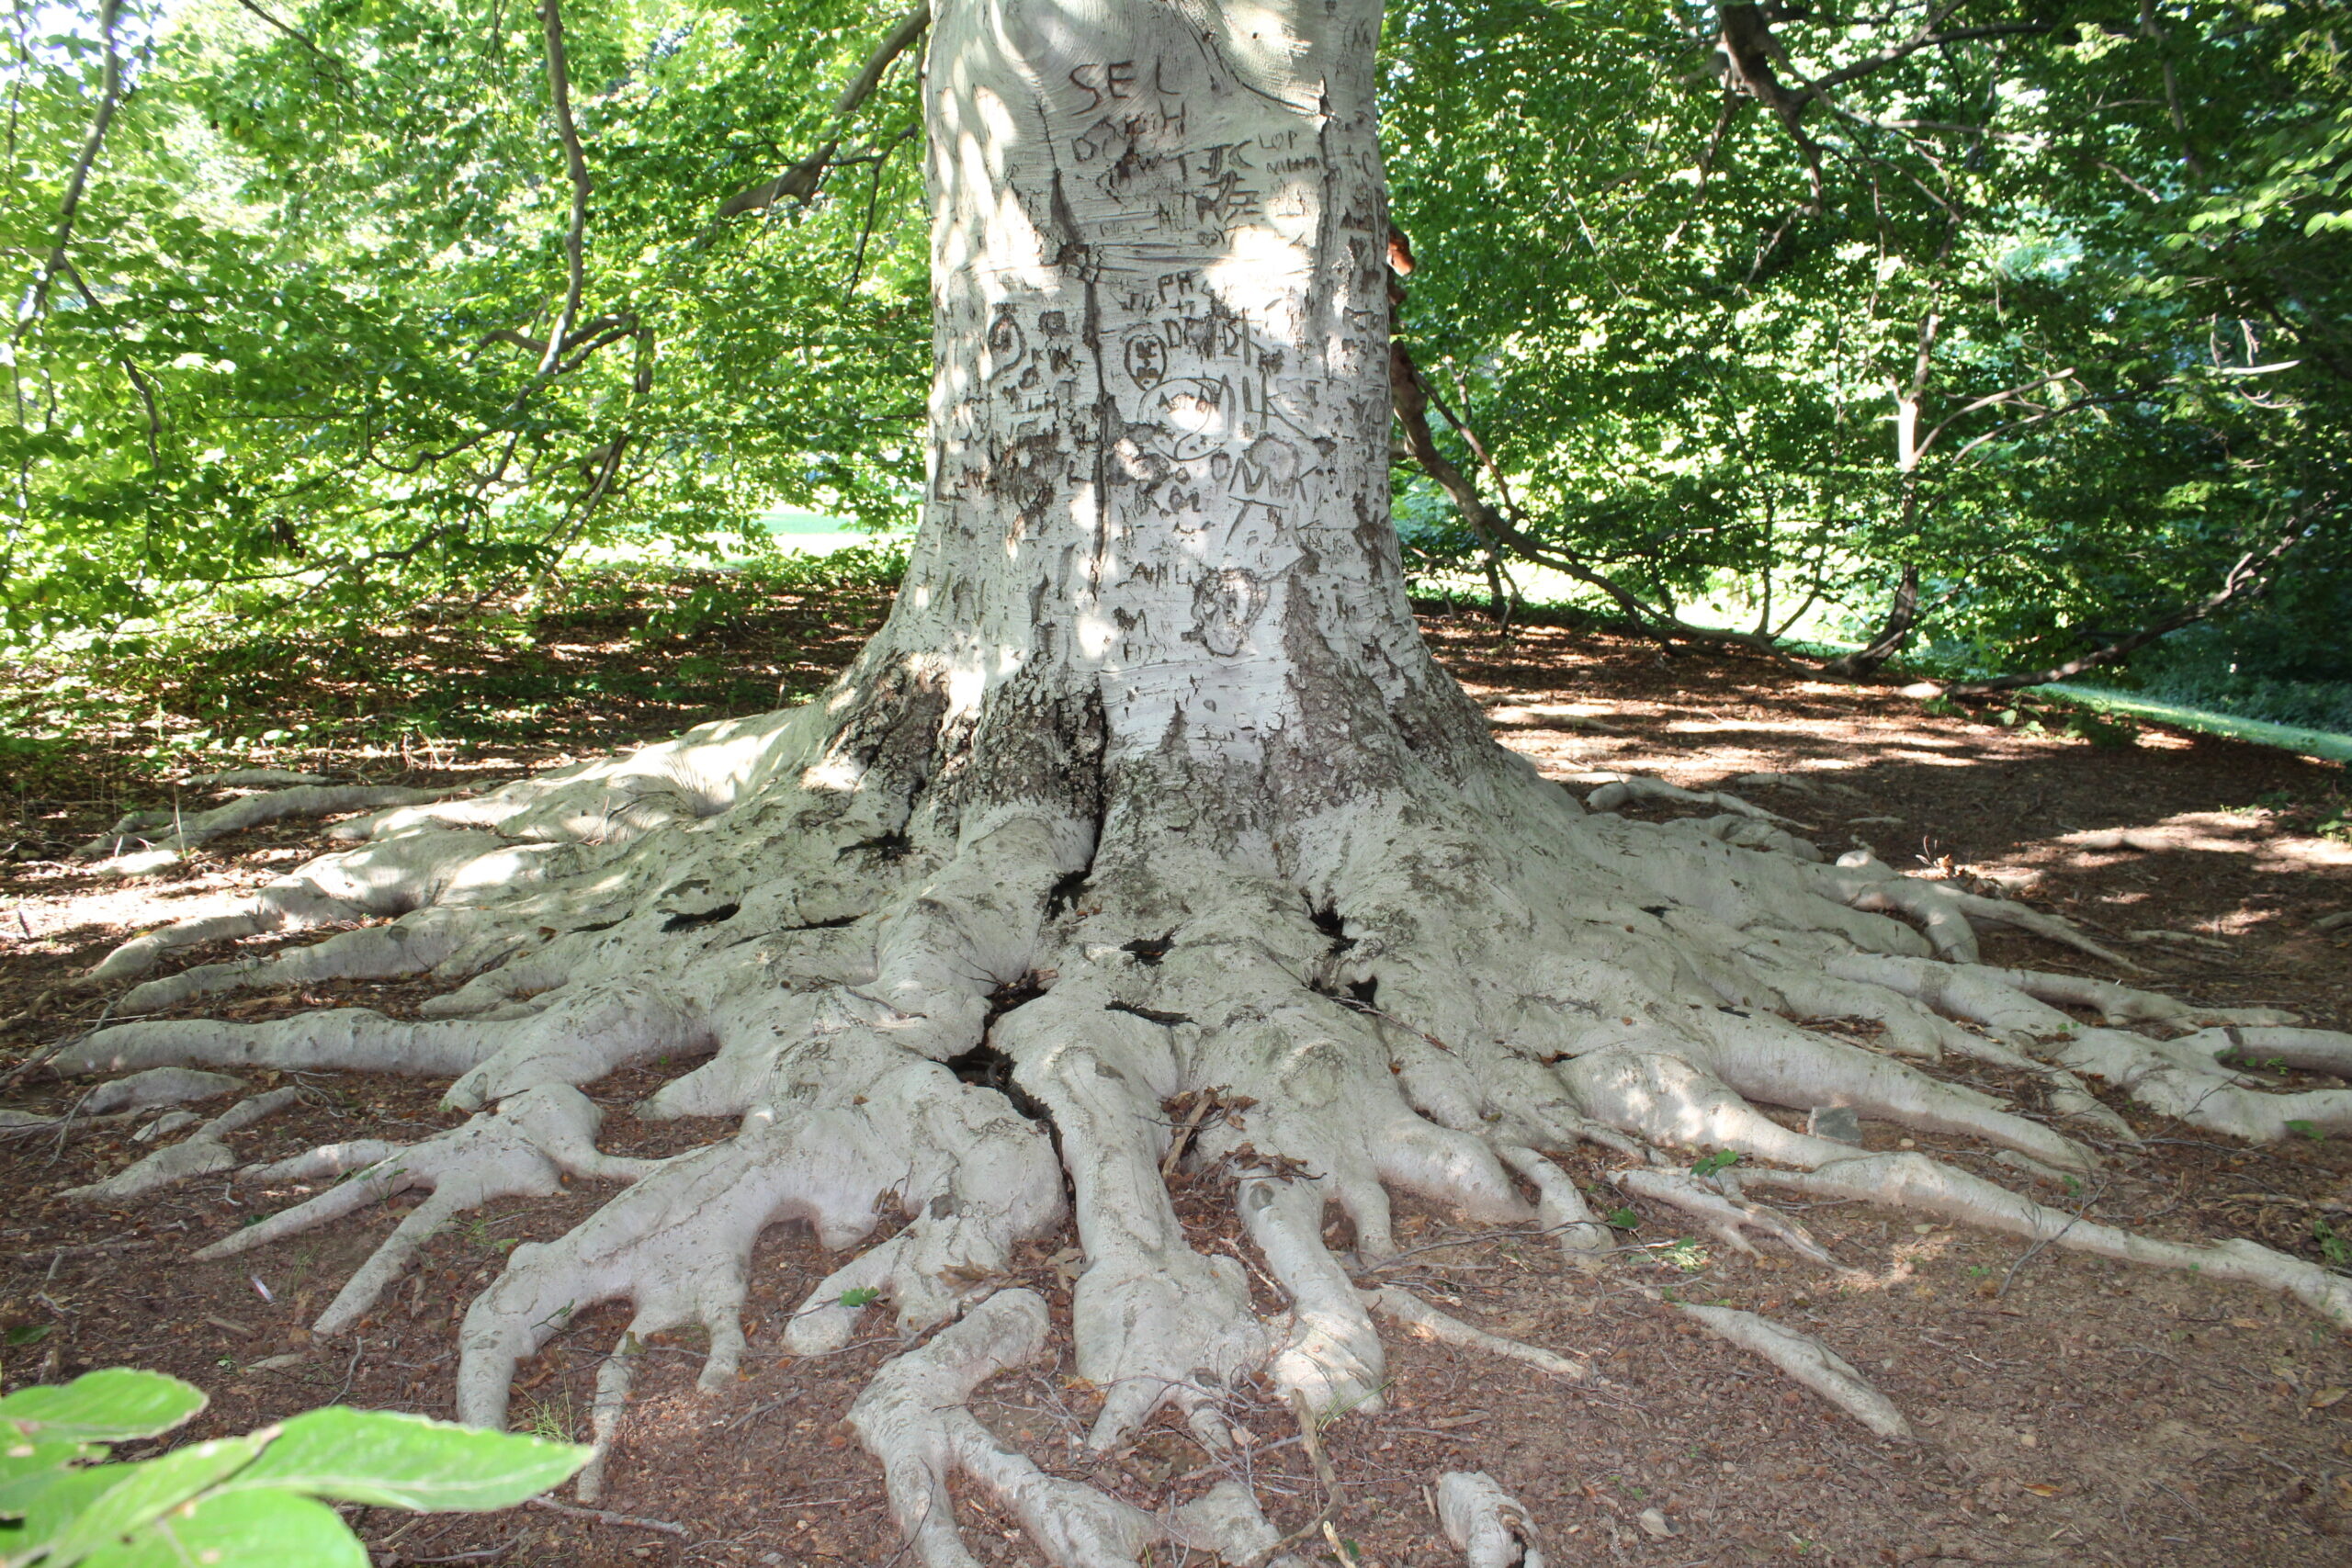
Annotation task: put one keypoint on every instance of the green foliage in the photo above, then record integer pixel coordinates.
(249, 1502)
(290, 370)
(2097, 262)
(859, 1296)
(2119, 346)
(1714, 1164)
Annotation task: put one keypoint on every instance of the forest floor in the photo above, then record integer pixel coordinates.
(2069, 1410)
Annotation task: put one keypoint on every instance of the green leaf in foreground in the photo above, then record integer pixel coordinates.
(140, 1494)
(103, 1406)
(27, 1469)
(394, 1461)
(241, 1529)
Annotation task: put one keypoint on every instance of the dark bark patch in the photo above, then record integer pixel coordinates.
(891, 846)
(1149, 1015)
(711, 917)
(1150, 950)
(1063, 893)
(1019, 993)
(1327, 921)
(984, 1067)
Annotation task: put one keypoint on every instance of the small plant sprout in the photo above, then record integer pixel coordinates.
(1714, 1164)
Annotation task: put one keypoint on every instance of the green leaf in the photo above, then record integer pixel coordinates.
(861, 1295)
(241, 1529)
(2308, 1129)
(103, 1406)
(53, 1508)
(75, 1521)
(394, 1461)
(27, 1469)
(30, 1333)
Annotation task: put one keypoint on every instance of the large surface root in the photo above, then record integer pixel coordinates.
(983, 1006)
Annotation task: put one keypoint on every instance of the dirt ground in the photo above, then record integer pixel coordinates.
(2068, 1411)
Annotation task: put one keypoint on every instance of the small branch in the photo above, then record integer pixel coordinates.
(1987, 401)
(575, 164)
(298, 36)
(1922, 40)
(109, 99)
(606, 1517)
(800, 180)
(2245, 579)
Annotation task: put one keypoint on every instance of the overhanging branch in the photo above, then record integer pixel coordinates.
(109, 99)
(2246, 579)
(800, 180)
(576, 165)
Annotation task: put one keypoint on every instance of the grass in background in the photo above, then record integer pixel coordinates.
(604, 659)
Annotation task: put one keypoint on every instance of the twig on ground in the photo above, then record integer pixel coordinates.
(2027, 1257)
(606, 1517)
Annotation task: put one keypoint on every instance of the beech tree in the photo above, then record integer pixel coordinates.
(1146, 830)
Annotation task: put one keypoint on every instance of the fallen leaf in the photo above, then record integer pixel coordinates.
(2041, 1488)
(2328, 1396)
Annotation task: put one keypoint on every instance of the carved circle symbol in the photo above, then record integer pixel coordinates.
(1147, 358)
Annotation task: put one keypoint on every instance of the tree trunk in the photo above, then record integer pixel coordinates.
(1159, 475)
(1147, 835)
(1894, 633)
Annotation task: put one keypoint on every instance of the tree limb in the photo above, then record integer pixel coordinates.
(1410, 397)
(2247, 579)
(575, 165)
(109, 99)
(800, 180)
(298, 36)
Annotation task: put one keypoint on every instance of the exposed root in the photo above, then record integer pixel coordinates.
(1428, 1322)
(912, 1418)
(202, 1153)
(2310, 1050)
(1913, 1181)
(389, 876)
(972, 1177)
(372, 953)
(1332, 1360)
(2176, 1077)
(1639, 788)
(1809, 1362)
(1726, 1219)
(583, 1035)
(1560, 1206)
(157, 1086)
(250, 812)
(524, 1151)
(940, 1004)
(1486, 1522)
